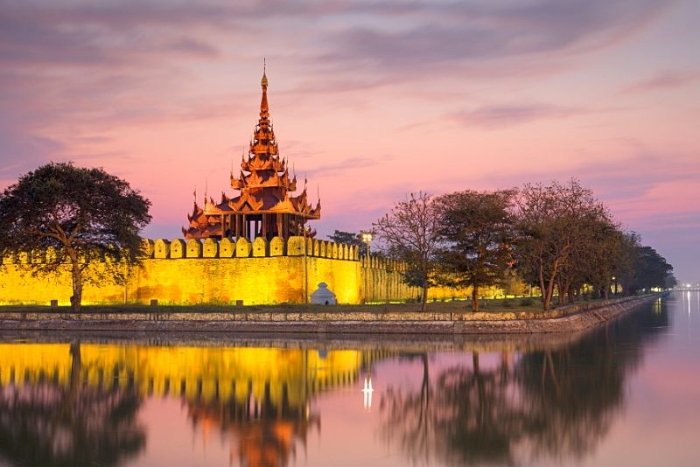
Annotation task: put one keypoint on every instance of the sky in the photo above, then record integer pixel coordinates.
(370, 101)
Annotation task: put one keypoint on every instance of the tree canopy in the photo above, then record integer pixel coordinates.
(476, 233)
(557, 237)
(350, 238)
(79, 216)
(410, 233)
(554, 228)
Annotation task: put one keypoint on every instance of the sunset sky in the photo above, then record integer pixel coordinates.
(370, 100)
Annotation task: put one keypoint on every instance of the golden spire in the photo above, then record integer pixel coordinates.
(263, 82)
(264, 108)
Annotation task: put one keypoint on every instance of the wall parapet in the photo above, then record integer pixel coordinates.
(243, 248)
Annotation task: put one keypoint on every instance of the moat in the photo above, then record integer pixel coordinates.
(621, 393)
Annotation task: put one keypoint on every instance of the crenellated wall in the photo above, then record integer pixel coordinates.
(223, 272)
(219, 272)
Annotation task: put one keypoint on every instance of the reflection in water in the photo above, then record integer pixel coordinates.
(259, 397)
(479, 404)
(550, 404)
(367, 391)
(46, 423)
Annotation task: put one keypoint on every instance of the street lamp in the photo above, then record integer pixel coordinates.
(614, 279)
(366, 239)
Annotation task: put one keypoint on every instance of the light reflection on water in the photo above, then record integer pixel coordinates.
(622, 394)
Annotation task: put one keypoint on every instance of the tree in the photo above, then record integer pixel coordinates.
(350, 238)
(410, 232)
(651, 270)
(476, 230)
(552, 226)
(605, 262)
(627, 262)
(83, 217)
(594, 254)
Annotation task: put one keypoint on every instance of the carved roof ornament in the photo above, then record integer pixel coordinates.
(265, 188)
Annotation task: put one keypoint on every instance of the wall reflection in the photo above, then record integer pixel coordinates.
(259, 397)
(51, 417)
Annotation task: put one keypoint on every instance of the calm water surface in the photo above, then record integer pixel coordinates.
(624, 394)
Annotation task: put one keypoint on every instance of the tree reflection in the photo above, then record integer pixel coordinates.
(578, 391)
(555, 403)
(48, 424)
(411, 411)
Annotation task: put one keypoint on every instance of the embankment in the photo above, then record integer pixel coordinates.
(317, 321)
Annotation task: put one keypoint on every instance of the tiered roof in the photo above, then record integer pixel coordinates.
(264, 183)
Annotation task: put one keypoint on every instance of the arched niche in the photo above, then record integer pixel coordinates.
(227, 248)
(177, 248)
(194, 248)
(210, 249)
(242, 248)
(295, 246)
(334, 251)
(277, 246)
(161, 249)
(259, 247)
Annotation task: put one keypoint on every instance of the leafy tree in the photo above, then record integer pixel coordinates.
(476, 230)
(651, 270)
(350, 238)
(594, 255)
(410, 232)
(627, 261)
(83, 217)
(552, 227)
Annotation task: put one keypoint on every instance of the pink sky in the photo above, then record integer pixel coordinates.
(370, 101)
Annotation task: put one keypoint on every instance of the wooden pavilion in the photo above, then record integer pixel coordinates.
(265, 207)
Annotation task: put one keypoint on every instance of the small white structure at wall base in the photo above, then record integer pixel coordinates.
(323, 296)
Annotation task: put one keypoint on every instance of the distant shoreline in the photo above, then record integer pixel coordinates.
(321, 320)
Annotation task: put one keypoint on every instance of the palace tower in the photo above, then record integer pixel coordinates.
(265, 207)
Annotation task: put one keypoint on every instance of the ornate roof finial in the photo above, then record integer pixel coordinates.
(263, 82)
(264, 108)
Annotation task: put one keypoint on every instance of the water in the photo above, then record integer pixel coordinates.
(623, 394)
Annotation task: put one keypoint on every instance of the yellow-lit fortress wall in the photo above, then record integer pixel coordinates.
(213, 272)
(179, 272)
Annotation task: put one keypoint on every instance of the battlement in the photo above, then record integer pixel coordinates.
(197, 271)
(242, 248)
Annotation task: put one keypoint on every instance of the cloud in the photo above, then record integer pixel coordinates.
(495, 116)
(344, 166)
(90, 35)
(415, 37)
(668, 79)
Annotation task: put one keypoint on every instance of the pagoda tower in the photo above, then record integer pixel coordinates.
(265, 207)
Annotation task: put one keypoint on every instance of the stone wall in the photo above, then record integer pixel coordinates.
(176, 272)
(317, 320)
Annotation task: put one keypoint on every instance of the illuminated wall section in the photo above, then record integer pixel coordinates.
(227, 273)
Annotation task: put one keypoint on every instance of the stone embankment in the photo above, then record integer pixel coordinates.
(316, 321)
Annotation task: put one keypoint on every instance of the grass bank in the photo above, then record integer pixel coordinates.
(491, 306)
